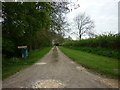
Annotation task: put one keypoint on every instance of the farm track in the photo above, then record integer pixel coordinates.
(55, 70)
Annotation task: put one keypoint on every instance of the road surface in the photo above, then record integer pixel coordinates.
(55, 70)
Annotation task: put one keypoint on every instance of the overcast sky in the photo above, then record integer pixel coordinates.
(103, 12)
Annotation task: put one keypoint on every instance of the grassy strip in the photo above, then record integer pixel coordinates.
(11, 66)
(0, 66)
(112, 53)
(100, 64)
(55, 53)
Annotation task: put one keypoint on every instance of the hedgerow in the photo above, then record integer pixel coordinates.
(105, 45)
(104, 41)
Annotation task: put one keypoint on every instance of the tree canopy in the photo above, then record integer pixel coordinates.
(34, 24)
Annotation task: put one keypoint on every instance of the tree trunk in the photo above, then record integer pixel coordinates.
(80, 33)
(80, 36)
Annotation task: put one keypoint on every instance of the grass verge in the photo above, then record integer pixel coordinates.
(100, 64)
(112, 53)
(11, 66)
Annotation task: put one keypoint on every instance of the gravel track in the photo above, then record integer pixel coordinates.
(55, 70)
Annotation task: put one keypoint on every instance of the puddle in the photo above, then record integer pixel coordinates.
(41, 63)
(111, 82)
(72, 62)
(80, 68)
(48, 84)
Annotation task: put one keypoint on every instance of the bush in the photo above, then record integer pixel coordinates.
(106, 45)
(103, 41)
(8, 47)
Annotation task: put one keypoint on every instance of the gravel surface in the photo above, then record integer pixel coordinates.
(55, 70)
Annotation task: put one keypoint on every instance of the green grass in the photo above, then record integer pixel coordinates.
(100, 64)
(11, 66)
(112, 53)
(0, 66)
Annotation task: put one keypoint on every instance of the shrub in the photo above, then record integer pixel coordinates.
(106, 45)
(104, 41)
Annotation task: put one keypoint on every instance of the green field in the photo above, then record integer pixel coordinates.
(101, 64)
(11, 66)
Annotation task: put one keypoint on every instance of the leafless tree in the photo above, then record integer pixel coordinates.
(84, 24)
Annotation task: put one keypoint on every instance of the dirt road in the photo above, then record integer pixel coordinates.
(55, 70)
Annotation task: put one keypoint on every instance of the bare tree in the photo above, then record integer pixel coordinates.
(84, 24)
